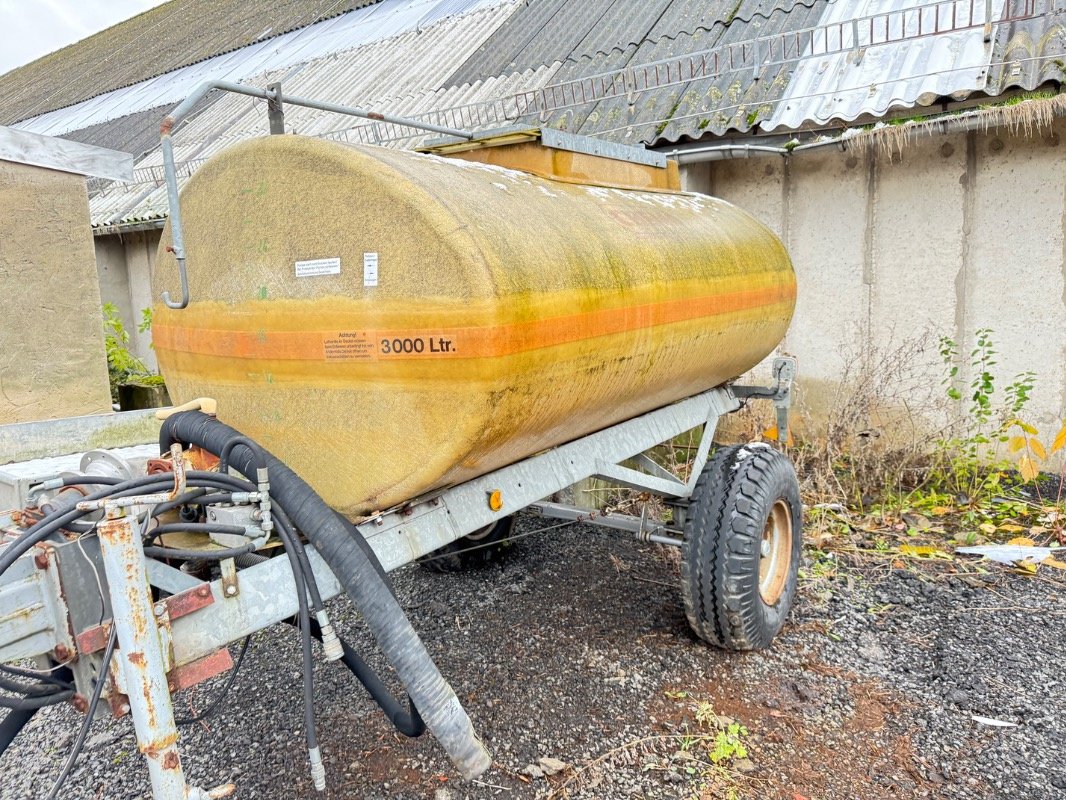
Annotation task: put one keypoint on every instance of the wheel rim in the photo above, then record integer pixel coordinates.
(775, 553)
(482, 533)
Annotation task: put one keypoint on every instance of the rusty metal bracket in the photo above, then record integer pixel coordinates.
(275, 110)
(230, 586)
(93, 640)
(200, 670)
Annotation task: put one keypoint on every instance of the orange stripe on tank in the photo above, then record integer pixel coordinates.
(457, 342)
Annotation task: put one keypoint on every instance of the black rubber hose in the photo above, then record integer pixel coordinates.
(212, 499)
(196, 527)
(12, 725)
(407, 721)
(181, 500)
(286, 529)
(15, 687)
(90, 714)
(291, 543)
(93, 480)
(33, 702)
(356, 567)
(62, 677)
(146, 485)
(242, 441)
(16, 719)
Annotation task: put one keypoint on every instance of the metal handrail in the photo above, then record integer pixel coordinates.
(272, 94)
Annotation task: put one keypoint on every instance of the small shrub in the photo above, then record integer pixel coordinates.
(122, 366)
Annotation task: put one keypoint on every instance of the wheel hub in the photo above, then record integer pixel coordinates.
(775, 553)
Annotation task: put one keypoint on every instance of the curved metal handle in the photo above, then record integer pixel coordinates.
(184, 289)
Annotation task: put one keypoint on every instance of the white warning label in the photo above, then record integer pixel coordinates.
(370, 269)
(318, 266)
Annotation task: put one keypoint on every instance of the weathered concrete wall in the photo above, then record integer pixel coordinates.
(52, 361)
(959, 233)
(124, 265)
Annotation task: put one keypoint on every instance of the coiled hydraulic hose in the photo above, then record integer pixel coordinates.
(356, 567)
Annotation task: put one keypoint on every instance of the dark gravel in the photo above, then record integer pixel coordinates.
(576, 648)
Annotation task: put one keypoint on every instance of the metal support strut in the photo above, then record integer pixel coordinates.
(780, 394)
(141, 661)
(140, 655)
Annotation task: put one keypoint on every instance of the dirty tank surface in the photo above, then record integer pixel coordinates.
(389, 322)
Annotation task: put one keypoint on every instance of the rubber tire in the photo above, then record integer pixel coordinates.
(456, 556)
(720, 555)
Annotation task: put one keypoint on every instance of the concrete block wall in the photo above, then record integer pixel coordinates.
(124, 266)
(52, 361)
(956, 233)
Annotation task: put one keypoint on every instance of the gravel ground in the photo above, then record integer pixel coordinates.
(576, 648)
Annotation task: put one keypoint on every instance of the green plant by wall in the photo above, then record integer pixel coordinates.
(971, 464)
(122, 366)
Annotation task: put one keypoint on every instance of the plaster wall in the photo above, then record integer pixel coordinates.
(52, 361)
(954, 234)
(124, 265)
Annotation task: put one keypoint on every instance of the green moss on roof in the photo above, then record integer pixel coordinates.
(162, 39)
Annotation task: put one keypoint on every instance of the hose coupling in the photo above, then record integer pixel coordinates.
(331, 643)
(263, 485)
(318, 769)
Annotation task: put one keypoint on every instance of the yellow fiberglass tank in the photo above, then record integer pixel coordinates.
(390, 322)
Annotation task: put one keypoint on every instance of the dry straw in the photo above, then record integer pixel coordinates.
(1025, 117)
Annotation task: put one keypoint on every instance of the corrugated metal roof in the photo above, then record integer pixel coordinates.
(546, 31)
(136, 133)
(160, 40)
(414, 63)
(895, 54)
(705, 79)
(791, 64)
(1029, 53)
(663, 71)
(326, 38)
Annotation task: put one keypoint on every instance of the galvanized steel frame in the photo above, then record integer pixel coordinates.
(268, 592)
(154, 642)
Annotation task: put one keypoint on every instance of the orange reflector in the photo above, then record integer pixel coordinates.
(495, 499)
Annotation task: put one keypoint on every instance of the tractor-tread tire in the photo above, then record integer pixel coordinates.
(727, 513)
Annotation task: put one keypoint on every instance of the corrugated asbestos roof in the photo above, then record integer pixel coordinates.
(698, 74)
(322, 40)
(162, 39)
(690, 71)
(715, 67)
(657, 72)
(1029, 53)
(435, 37)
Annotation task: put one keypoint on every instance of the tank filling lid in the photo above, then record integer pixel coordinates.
(567, 157)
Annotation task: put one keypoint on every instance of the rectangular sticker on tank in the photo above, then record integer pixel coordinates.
(317, 267)
(348, 346)
(370, 269)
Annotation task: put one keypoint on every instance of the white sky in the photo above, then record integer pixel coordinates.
(30, 29)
